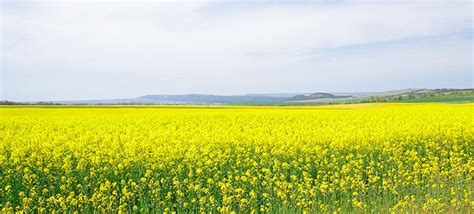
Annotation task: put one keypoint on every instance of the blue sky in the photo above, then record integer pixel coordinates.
(66, 50)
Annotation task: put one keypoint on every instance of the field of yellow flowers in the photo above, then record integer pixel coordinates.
(342, 158)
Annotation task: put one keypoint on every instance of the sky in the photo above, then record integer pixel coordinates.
(73, 50)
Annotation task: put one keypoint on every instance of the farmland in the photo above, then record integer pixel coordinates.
(382, 157)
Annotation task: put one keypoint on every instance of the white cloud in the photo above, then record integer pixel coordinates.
(233, 47)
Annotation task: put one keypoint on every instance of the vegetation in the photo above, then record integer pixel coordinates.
(460, 99)
(423, 95)
(405, 95)
(342, 158)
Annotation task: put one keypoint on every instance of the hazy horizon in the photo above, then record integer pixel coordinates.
(71, 50)
(289, 94)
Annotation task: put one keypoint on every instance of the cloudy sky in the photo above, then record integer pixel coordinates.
(64, 50)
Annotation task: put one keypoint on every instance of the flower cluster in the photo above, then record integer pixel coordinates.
(354, 158)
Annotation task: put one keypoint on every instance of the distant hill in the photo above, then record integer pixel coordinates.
(395, 92)
(285, 95)
(319, 98)
(210, 99)
(419, 92)
(403, 95)
(203, 99)
(413, 94)
(315, 96)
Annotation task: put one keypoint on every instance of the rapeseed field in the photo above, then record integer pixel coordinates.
(343, 158)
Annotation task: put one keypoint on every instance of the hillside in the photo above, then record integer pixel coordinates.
(403, 95)
(210, 99)
(319, 98)
(422, 95)
(315, 96)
